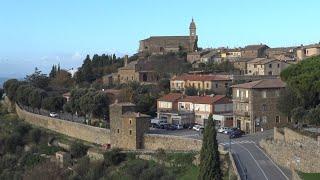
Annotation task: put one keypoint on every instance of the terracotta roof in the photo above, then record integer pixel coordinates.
(261, 61)
(262, 84)
(171, 97)
(201, 77)
(202, 99)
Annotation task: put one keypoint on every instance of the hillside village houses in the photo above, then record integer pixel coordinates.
(218, 84)
(255, 105)
(308, 51)
(265, 66)
(177, 108)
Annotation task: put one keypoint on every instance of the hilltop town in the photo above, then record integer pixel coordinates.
(262, 104)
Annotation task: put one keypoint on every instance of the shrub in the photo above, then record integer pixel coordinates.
(114, 157)
(12, 142)
(35, 135)
(78, 150)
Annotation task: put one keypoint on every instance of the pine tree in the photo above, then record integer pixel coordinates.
(209, 154)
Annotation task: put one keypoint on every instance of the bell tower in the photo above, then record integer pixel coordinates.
(193, 36)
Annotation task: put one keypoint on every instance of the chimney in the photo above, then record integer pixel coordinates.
(126, 60)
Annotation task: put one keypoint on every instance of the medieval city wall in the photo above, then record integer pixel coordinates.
(293, 150)
(72, 129)
(170, 143)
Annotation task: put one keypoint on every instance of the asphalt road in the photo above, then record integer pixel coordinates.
(251, 161)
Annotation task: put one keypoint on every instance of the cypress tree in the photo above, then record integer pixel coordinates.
(209, 154)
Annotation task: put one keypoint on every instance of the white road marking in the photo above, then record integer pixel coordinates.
(273, 163)
(244, 173)
(264, 174)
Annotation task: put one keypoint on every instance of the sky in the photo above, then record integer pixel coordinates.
(39, 33)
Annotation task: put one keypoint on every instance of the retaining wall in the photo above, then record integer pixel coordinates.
(294, 150)
(72, 129)
(170, 143)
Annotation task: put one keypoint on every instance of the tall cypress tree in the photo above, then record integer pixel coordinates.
(209, 154)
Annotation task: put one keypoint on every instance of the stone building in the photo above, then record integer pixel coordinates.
(265, 66)
(308, 51)
(254, 51)
(127, 127)
(218, 84)
(193, 57)
(165, 44)
(281, 52)
(255, 105)
(137, 71)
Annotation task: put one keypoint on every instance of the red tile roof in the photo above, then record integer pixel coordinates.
(262, 84)
(201, 77)
(202, 99)
(171, 97)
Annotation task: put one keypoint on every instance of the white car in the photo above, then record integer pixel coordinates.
(53, 114)
(222, 129)
(197, 127)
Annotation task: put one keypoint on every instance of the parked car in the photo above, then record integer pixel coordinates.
(236, 130)
(178, 126)
(235, 134)
(53, 114)
(163, 125)
(222, 129)
(197, 127)
(158, 121)
(171, 127)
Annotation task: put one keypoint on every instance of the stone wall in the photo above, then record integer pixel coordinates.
(72, 129)
(294, 150)
(170, 143)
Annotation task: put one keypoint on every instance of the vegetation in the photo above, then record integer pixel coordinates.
(309, 176)
(301, 99)
(214, 67)
(209, 154)
(78, 150)
(21, 146)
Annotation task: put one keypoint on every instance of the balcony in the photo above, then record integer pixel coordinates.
(242, 113)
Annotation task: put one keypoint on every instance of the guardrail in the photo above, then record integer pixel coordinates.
(234, 166)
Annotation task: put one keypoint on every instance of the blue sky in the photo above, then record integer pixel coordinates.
(44, 32)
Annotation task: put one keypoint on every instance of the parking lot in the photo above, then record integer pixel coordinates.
(222, 138)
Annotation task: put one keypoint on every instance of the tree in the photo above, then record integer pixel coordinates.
(209, 167)
(287, 101)
(78, 150)
(114, 157)
(54, 103)
(22, 94)
(38, 79)
(62, 78)
(36, 97)
(101, 102)
(191, 91)
(87, 103)
(10, 88)
(299, 114)
(35, 135)
(53, 71)
(1, 93)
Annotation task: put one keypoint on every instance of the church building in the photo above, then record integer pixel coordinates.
(165, 44)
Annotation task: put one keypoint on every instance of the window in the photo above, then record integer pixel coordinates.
(277, 92)
(199, 85)
(207, 85)
(277, 119)
(118, 130)
(238, 92)
(264, 94)
(264, 107)
(226, 84)
(130, 121)
(255, 66)
(264, 119)
(247, 107)
(217, 85)
(242, 94)
(247, 94)
(278, 65)
(130, 132)
(270, 65)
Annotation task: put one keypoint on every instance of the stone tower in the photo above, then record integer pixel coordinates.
(127, 127)
(193, 36)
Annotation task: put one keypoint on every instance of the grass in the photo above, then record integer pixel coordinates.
(191, 173)
(310, 176)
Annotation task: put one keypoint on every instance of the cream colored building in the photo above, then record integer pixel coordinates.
(264, 66)
(308, 51)
(231, 53)
(216, 83)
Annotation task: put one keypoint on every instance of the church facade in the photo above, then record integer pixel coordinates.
(165, 44)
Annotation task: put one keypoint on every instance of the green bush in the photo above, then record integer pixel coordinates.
(78, 150)
(114, 157)
(35, 135)
(12, 142)
(30, 159)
